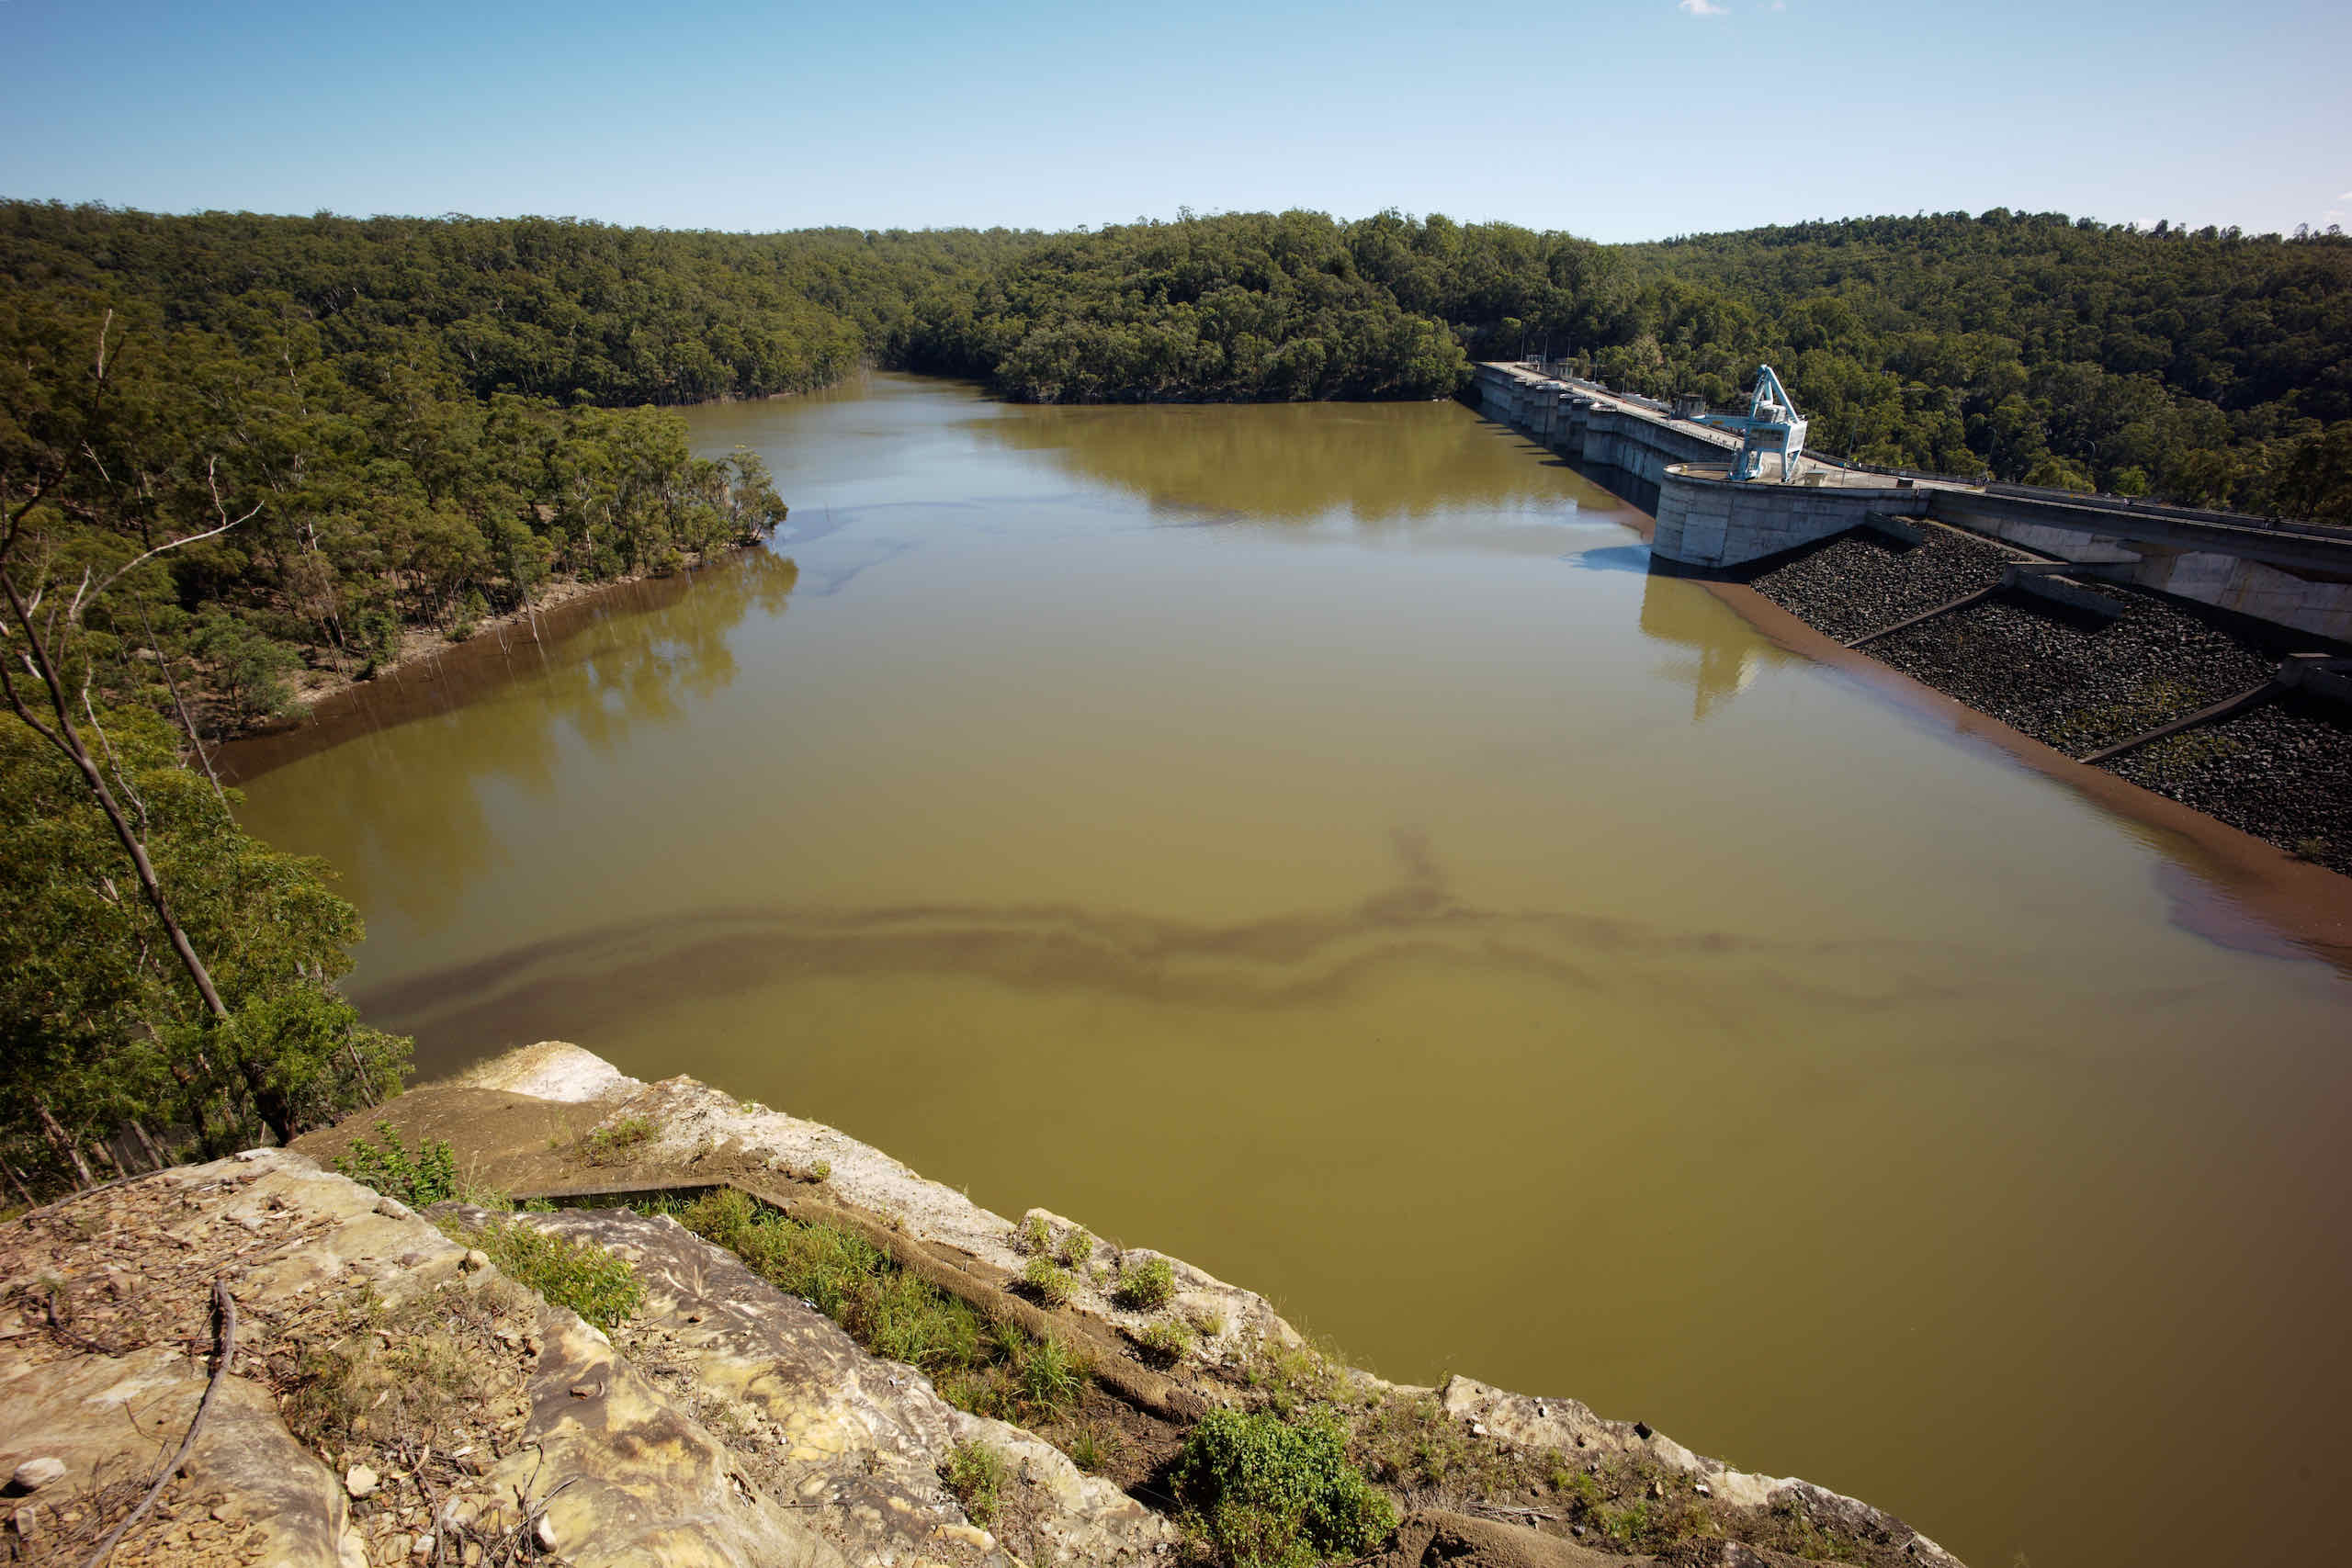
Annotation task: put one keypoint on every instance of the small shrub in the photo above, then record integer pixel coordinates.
(1033, 1236)
(2312, 848)
(620, 1143)
(1077, 1247)
(1207, 1322)
(1265, 1494)
(1145, 1286)
(974, 1476)
(593, 1280)
(1049, 1282)
(821, 1171)
(430, 1176)
(1164, 1343)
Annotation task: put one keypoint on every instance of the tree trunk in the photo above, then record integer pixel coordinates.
(17, 1182)
(367, 1079)
(62, 1145)
(68, 739)
(154, 1154)
(180, 708)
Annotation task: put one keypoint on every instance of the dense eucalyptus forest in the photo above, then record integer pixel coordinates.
(239, 454)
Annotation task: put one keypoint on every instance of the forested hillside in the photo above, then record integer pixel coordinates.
(2194, 365)
(418, 422)
(2208, 367)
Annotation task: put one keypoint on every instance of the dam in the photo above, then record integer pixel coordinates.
(2295, 575)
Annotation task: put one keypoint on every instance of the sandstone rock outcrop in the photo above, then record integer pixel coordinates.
(856, 1441)
(685, 1130)
(355, 1318)
(393, 1398)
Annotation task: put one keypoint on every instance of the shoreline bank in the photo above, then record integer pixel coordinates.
(439, 675)
(2235, 881)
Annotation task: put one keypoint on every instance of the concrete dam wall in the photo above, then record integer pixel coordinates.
(2289, 574)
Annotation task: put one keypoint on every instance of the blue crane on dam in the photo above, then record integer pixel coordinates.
(1770, 426)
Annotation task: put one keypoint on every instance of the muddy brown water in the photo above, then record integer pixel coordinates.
(1306, 841)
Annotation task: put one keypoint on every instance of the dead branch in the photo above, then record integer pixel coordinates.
(225, 1305)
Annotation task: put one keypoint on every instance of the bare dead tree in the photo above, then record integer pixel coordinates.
(38, 646)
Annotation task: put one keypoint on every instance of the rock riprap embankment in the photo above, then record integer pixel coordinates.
(2077, 682)
(2281, 771)
(1863, 581)
(2112, 666)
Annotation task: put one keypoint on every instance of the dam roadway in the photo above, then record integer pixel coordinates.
(2289, 574)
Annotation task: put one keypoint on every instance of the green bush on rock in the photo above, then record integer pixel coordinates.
(1263, 1493)
(428, 1176)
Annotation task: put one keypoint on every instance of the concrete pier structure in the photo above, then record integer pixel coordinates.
(2290, 574)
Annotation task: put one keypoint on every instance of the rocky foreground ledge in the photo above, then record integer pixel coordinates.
(390, 1395)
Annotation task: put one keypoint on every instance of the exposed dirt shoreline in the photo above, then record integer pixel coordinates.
(2240, 890)
(435, 675)
(2307, 903)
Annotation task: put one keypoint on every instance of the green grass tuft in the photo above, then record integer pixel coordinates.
(1094, 1448)
(1053, 1378)
(1048, 1281)
(1164, 1343)
(620, 1142)
(593, 1280)
(974, 1475)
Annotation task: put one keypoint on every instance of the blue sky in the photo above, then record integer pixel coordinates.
(1615, 119)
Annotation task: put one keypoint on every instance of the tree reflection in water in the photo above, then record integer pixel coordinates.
(606, 668)
(1295, 463)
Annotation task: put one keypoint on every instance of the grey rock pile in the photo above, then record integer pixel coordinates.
(2075, 682)
(1861, 582)
(2283, 771)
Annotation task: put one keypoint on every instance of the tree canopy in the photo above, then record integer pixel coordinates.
(2209, 366)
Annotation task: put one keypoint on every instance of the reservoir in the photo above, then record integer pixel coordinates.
(1306, 841)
